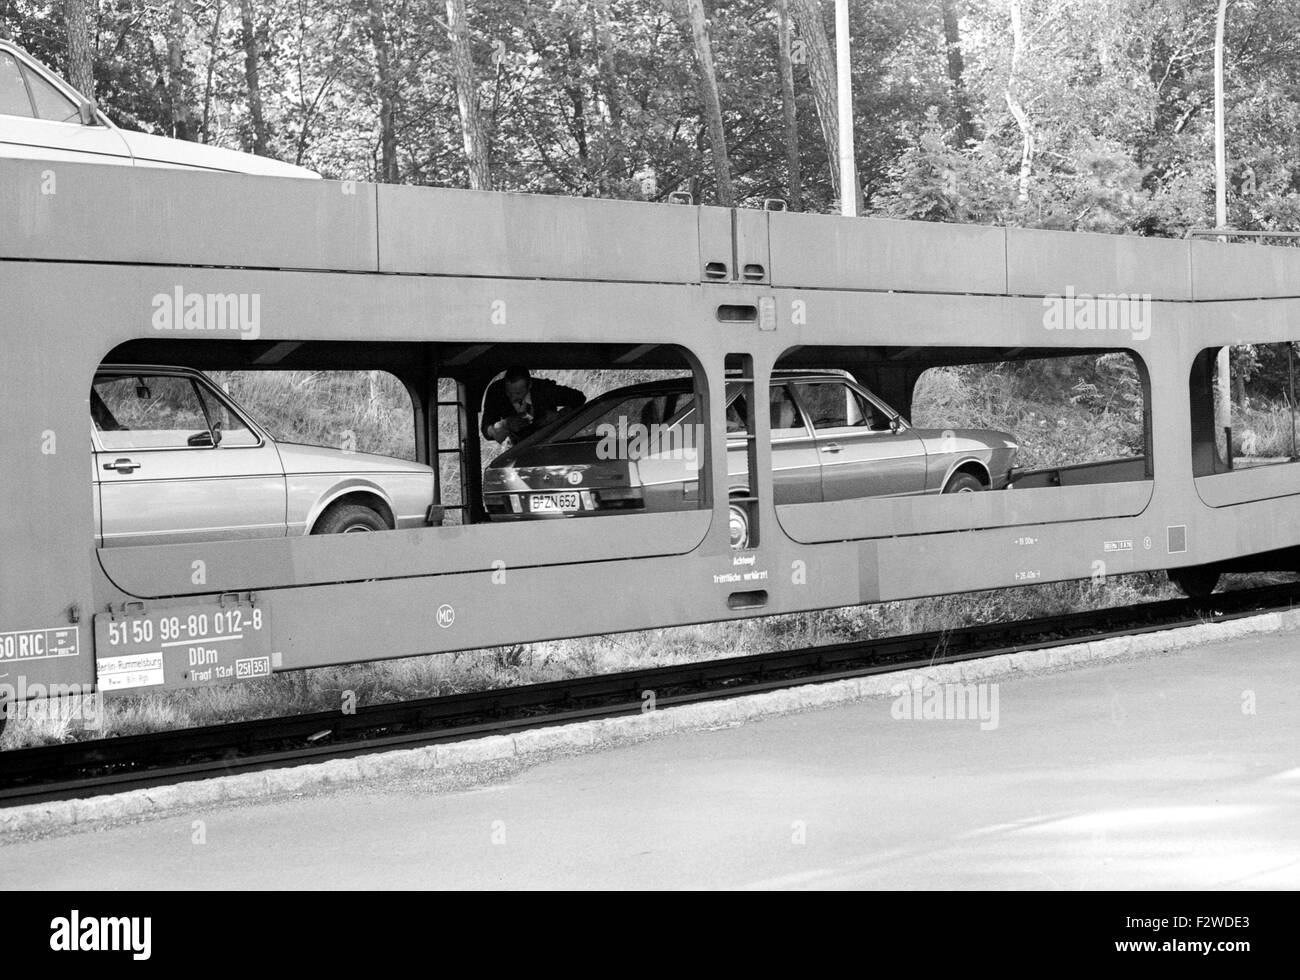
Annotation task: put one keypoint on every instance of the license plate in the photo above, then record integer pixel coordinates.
(183, 646)
(541, 503)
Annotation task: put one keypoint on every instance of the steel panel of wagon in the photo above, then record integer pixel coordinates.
(432, 231)
(89, 213)
(884, 517)
(1247, 484)
(236, 566)
(1243, 271)
(753, 246)
(1048, 263)
(821, 252)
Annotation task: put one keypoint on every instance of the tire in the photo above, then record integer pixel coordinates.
(738, 520)
(349, 519)
(1196, 581)
(963, 483)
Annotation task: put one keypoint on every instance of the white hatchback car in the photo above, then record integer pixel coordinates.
(42, 117)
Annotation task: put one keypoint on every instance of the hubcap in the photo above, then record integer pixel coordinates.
(357, 529)
(739, 528)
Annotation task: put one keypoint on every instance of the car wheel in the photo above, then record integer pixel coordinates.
(738, 520)
(963, 483)
(1196, 581)
(350, 519)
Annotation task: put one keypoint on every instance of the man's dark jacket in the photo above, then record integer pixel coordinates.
(548, 398)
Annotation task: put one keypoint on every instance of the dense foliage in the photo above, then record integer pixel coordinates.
(1095, 114)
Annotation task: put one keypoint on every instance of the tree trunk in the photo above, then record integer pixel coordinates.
(793, 169)
(81, 62)
(177, 90)
(252, 77)
(577, 101)
(821, 74)
(1013, 102)
(608, 72)
(471, 121)
(387, 95)
(957, 72)
(204, 131)
(698, 26)
(608, 92)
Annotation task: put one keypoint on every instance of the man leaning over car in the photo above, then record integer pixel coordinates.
(517, 405)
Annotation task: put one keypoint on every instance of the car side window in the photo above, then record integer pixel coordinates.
(877, 418)
(14, 100)
(234, 433)
(786, 419)
(148, 412)
(830, 404)
(834, 405)
(737, 416)
(50, 102)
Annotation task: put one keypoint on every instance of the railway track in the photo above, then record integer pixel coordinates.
(94, 767)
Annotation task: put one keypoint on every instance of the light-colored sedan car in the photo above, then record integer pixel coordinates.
(42, 117)
(632, 449)
(175, 459)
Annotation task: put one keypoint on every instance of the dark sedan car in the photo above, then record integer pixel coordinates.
(636, 448)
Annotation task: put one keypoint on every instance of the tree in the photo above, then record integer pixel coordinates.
(956, 71)
(387, 93)
(252, 78)
(821, 75)
(788, 106)
(178, 108)
(1014, 102)
(81, 64)
(471, 122)
(696, 25)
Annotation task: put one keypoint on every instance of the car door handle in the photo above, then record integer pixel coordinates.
(832, 447)
(123, 465)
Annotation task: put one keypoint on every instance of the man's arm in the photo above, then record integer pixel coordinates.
(567, 399)
(493, 422)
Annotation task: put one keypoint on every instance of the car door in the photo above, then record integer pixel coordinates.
(796, 469)
(39, 120)
(796, 472)
(862, 452)
(162, 480)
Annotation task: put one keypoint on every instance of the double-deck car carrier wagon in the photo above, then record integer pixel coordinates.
(444, 289)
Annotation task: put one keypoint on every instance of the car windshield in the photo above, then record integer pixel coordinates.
(646, 409)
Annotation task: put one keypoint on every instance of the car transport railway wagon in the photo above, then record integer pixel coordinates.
(772, 466)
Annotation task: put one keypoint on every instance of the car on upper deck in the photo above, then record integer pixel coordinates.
(638, 449)
(42, 117)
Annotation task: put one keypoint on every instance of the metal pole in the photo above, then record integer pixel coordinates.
(1223, 363)
(848, 172)
(1290, 375)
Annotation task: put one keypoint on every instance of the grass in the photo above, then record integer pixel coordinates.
(1062, 412)
(1262, 432)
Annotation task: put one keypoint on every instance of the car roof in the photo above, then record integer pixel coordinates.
(147, 369)
(685, 383)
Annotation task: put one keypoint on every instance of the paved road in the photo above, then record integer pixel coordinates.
(1180, 771)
